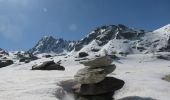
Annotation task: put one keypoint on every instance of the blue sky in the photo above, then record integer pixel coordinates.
(24, 22)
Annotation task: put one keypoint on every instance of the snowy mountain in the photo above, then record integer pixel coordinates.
(111, 39)
(3, 54)
(106, 33)
(122, 39)
(50, 44)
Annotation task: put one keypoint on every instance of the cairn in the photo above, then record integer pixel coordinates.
(93, 81)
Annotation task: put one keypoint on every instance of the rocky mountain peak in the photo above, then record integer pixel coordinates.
(105, 33)
(50, 44)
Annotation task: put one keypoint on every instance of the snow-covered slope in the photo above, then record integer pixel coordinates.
(122, 39)
(156, 41)
(142, 74)
(165, 30)
(50, 44)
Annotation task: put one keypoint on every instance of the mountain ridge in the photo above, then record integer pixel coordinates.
(49, 44)
(111, 38)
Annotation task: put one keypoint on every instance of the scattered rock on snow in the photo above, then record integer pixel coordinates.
(48, 65)
(166, 78)
(4, 63)
(47, 56)
(83, 54)
(164, 57)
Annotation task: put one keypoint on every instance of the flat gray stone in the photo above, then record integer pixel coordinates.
(98, 62)
(89, 76)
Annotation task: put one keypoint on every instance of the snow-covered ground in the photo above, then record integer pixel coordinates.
(142, 75)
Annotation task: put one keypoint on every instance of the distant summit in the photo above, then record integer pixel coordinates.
(49, 44)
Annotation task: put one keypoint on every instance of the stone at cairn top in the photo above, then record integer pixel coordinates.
(98, 62)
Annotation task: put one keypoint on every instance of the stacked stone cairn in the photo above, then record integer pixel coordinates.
(93, 81)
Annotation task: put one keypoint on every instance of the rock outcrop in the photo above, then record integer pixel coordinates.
(48, 65)
(83, 54)
(92, 83)
(4, 63)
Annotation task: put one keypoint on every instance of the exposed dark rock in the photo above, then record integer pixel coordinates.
(47, 56)
(4, 63)
(27, 61)
(95, 50)
(140, 48)
(55, 67)
(107, 96)
(128, 35)
(4, 58)
(114, 57)
(81, 59)
(164, 57)
(108, 85)
(166, 78)
(137, 98)
(83, 54)
(22, 60)
(48, 65)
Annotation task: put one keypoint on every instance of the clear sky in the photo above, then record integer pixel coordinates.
(24, 22)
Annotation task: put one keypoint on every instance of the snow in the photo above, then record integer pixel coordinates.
(115, 45)
(164, 30)
(142, 74)
(90, 46)
(18, 82)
